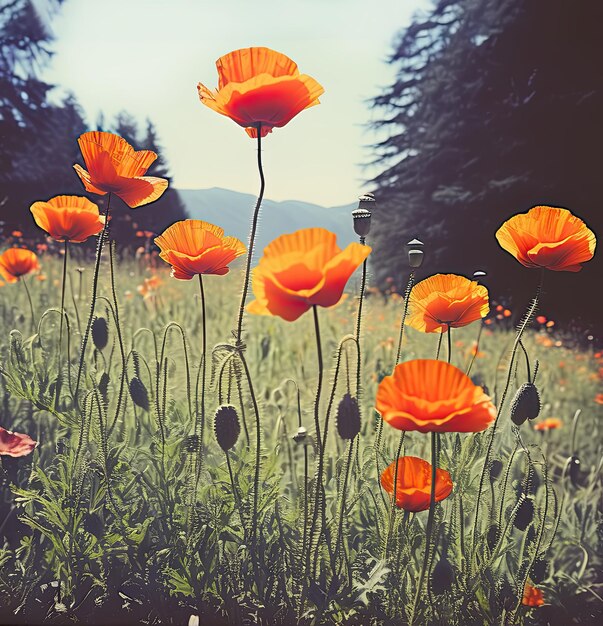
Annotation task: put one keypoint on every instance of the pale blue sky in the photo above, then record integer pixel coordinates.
(147, 56)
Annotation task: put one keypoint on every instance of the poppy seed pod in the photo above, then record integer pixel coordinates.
(415, 253)
(442, 577)
(367, 201)
(362, 222)
(573, 467)
(103, 386)
(138, 393)
(348, 417)
(525, 404)
(525, 514)
(226, 426)
(300, 435)
(100, 332)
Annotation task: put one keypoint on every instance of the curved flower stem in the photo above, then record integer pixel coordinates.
(429, 528)
(486, 468)
(57, 388)
(31, 307)
(99, 252)
(254, 224)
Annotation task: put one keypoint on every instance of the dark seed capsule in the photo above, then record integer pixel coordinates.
(138, 393)
(348, 417)
(442, 577)
(100, 332)
(362, 222)
(301, 435)
(495, 469)
(103, 386)
(525, 514)
(492, 537)
(573, 468)
(539, 570)
(526, 404)
(226, 426)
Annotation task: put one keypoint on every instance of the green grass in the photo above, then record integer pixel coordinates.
(108, 505)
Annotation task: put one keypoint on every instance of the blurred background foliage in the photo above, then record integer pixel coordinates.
(496, 108)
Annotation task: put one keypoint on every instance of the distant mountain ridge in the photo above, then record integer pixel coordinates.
(233, 210)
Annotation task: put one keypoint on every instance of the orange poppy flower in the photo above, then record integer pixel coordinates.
(446, 301)
(532, 596)
(548, 237)
(550, 423)
(194, 247)
(599, 398)
(68, 218)
(149, 286)
(17, 262)
(115, 167)
(15, 444)
(413, 489)
(258, 86)
(433, 396)
(303, 269)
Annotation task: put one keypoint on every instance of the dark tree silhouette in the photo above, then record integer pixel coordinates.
(495, 108)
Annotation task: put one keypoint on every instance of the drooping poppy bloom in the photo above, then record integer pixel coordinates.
(115, 167)
(413, 489)
(258, 86)
(194, 247)
(548, 237)
(433, 396)
(446, 301)
(15, 444)
(550, 423)
(532, 596)
(68, 218)
(303, 269)
(17, 262)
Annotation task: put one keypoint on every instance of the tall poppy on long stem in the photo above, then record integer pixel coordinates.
(15, 264)
(259, 89)
(113, 168)
(194, 248)
(67, 219)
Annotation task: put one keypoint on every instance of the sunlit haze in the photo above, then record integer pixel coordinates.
(147, 56)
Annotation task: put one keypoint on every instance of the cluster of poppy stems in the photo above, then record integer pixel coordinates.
(261, 89)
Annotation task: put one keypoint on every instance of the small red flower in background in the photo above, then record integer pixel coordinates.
(550, 423)
(541, 319)
(15, 444)
(260, 87)
(532, 596)
(17, 233)
(17, 262)
(413, 480)
(115, 167)
(548, 237)
(599, 398)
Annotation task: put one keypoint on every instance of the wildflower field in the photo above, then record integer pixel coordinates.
(205, 434)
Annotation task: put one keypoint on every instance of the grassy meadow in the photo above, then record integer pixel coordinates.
(123, 515)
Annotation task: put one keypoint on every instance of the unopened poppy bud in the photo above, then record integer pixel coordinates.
(100, 332)
(525, 514)
(442, 577)
(415, 253)
(191, 443)
(138, 393)
(495, 469)
(525, 404)
(348, 417)
(367, 201)
(539, 569)
(226, 426)
(300, 435)
(573, 468)
(103, 386)
(362, 222)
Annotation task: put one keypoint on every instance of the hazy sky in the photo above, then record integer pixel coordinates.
(147, 56)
